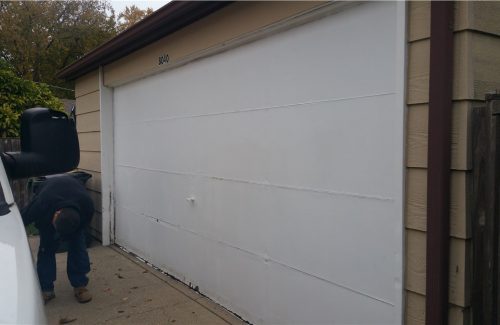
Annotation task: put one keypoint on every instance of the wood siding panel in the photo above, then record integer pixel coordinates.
(418, 136)
(416, 202)
(459, 315)
(462, 66)
(415, 261)
(415, 309)
(87, 83)
(90, 161)
(459, 223)
(459, 272)
(96, 226)
(485, 16)
(476, 66)
(419, 22)
(416, 199)
(486, 60)
(419, 68)
(89, 122)
(240, 18)
(96, 198)
(87, 103)
(90, 141)
(418, 72)
(469, 15)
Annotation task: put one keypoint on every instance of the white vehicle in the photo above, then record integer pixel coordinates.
(20, 298)
(49, 145)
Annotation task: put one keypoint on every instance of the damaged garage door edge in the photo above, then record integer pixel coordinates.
(160, 274)
(107, 161)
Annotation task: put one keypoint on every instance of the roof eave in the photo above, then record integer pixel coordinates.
(161, 23)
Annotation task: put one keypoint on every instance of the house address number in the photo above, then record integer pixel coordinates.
(162, 59)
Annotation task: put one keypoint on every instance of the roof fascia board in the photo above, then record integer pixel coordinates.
(165, 21)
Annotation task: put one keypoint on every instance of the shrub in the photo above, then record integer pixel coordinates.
(16, 95)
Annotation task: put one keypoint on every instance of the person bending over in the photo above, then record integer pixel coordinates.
(61, 211)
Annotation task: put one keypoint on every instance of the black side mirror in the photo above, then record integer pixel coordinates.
(49, 145)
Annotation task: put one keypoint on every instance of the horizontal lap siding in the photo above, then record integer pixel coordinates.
(459, 258)
(417, 135)
(416, 202)
(89, 135)
(90, 141)
(476, 71)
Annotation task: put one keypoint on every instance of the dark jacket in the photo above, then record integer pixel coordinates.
(57, 193)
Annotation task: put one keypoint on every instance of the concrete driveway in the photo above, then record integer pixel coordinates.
(128, 291)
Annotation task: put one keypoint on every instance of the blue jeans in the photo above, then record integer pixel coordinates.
(78, 264)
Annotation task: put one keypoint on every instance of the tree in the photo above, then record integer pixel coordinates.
(130, 16)
(16, 95)
(39, 38)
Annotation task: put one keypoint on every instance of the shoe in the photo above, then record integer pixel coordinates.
(82, 295)
(48, 296)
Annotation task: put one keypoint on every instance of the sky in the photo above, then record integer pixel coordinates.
(119, 5)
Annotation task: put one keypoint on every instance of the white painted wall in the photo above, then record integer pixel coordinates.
(292, 149)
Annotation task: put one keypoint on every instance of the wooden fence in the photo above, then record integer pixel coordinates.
(485, 191)
(19, 187)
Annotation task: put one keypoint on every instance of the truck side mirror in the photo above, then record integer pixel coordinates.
(49, 145)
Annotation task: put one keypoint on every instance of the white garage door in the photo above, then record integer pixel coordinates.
(270, 176)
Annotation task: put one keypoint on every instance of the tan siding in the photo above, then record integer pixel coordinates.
(89, 122)
(90, 141)
(459, 267)
(93, 183)
(87, 83)
(459, 315)
(418, 133)
(416, 202)
(419, 68)
(460, 272)
(416, 142)
(486, 58)
(459, 221)
(87, 103)
(415, 309)
(476, 59)
(469, 15)
(476, 67)
(227, 24)
(485, 16)
(419, 23)
(96, 225)
(418, 72)
(96, 198)
(90, 161)
(415, 261)
(88, 127)
(463, 77)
